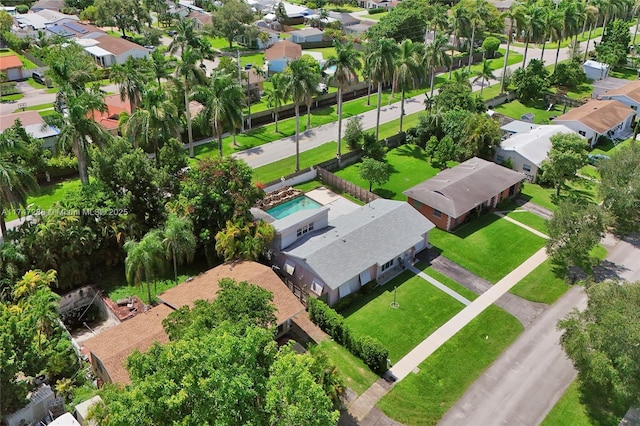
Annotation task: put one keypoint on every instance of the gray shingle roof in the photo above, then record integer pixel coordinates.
(372, 234)
(456, 191)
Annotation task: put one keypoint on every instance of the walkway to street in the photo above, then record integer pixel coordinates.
(437, 284)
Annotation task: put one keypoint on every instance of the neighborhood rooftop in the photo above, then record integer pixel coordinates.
(283, 49)
(535, 144)
(458, 190)
(631, 90)
(599, 116)
(355, 241)
(11, 61)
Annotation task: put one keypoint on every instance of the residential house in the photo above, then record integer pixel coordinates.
(296, 14)
(33, 24)
(274, 37)
(527, 150)
(502, 5)
(115, 50)
(595, 70)
(11, 10)
(345, 19)
(307, 35)
(34, 125)
(452, 196)
(281, 54)
(601, 87)
(11, 66)
(56, 5)
(109, 119)
(359, 29)
(334, 258)
(200, 19)
(517, 126)
(254, 86)
(599, 118)
(109, 350)
(74, 30)
(377, 4)
(629, 94)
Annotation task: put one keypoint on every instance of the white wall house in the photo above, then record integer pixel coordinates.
(527, 150)
(108, 50)
(629, 94)
(307, 35)
(596, 118)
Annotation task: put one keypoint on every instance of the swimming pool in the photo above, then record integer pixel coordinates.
(290, 207)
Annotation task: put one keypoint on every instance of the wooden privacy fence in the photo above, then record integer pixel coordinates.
(346, 186)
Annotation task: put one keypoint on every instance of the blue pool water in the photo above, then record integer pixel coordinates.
(290, 207)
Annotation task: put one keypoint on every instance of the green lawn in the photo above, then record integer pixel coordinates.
(409, 167)
(490, 91)
(489, 246)
(14, 97)
(569, 410)
(48, 195)
(36, 107)
(624, 73)
(423, 308)
(423, 398)
(375, 16)
(541, 285)
(610, 148)
(494, 63)
(355, 373)
(516, 109)
(286, 166)
(585, 90)
(31, 82)
(544, 196)
(443, 279)
(530, 219)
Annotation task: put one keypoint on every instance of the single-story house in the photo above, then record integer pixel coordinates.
(528, 150)
(109, 119)
(345, 19)
(629, 94)
(376, 4)
(109, 350)
(357, 29)
(295, 13)
(29, 24)
(11, 10)
(307, 35)
(453, 195)
(56, 5)
(517, 126)
(281, 54)
(115, 50)
(595, 70)
(598, 118)
(334, 258)
(34, 125)
(601, 87)
(72, 29)
(200, 19)
(12, 66)
(502, 5)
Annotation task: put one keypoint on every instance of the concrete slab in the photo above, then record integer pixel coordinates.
(338, 205)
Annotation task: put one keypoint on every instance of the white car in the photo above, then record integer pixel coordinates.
(322, 88)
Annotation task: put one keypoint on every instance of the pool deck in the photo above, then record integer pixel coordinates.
(338, 205)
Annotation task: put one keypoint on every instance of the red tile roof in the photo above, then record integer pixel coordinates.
(283, 49)
(7, 62)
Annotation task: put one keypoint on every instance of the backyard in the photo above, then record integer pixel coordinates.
(423, 308)
(542, 115)
(489, 246)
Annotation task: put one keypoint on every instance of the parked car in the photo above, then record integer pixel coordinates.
(322, 88)
(594, 159)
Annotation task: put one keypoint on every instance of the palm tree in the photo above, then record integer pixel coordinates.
(276, 95)
(162, 66)
(530, 22)
(156, 118)
(570, 24)
(380, 61)
(144, 261)
(130, 78)
(70, 67)
(635, 11)
(347, 62)
(185, 35)
(478, 14)
(458, 19)
(511, 16)
(179, 241)
(78, 126)
(591, 17)
(15, 181)
(301, 81)
(188, 71)
(485, 74)
(436, 56)
(552, 27)
(223, 99)
(408, 69)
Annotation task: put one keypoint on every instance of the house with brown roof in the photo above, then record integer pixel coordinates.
(629, 94)
(454, 195)
(108, 351)
(200, 19)
(115, 50)
(12, 66)
(609, 118)
(33, 123)
(281, 54)
(109, 118)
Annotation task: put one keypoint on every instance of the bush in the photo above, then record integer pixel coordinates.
(568, 74)
(62, 166)
(491, 46)
(22, 8)
(371, 351)
(353, 133)
(377, 10)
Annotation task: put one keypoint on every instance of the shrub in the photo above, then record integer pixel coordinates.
(491, 45)
(353, 133)
(377, 10)
(568, 74)
(373, 353)
(62, 166)
(22, 8)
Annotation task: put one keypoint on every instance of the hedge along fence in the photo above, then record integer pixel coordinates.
(367, 348)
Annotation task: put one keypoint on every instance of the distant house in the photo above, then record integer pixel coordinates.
(357, 29)
(451, 197)
(12, 66)
(109, 50)
(56, 5)
(109, 350)
(595, 70)
(281, 54)
(629, 94)
(517, 126)
(73, 29)
(527, 150)
(502, 5)
(346, 19)
(307, 35)
(334, 258)
(296, 14)
(109, 119)
(33, 24)
(376, 4)
(599, 118)
(200, 19)
(34, 125)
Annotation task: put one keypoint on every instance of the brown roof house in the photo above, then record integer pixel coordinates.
(599, 118)
(451, 197)
(33, 123)
(12, 67)
(115, 50)
(629, 94)
(281, 54)
(109, 350)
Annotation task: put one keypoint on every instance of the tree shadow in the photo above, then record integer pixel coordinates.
(475, 224)
(599, 406)
(413, 151)
(384, 193)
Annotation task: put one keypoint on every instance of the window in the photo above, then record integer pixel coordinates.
(306, 228)
(387, 265)
(500, 159)
(582, 133)
(526, 168)
(437, 213)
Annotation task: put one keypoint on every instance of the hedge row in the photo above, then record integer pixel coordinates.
(368, 349)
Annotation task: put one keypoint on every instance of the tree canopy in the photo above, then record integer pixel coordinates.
(568, 154)
(532, 82)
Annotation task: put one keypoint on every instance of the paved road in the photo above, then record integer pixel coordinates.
(524, 383)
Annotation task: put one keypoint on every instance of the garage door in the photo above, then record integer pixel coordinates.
(13, 74)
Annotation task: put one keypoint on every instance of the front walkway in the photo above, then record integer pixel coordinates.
(439, 285)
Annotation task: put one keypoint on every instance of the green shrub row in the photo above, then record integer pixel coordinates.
(60, 167)
(377, 10)
(370, 350)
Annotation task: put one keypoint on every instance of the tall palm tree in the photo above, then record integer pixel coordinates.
(130, 78)
(570, 23)
(179, 241)
(145, 260)
(347, 62)
(458, 19)
(591, 17)
(155, 119)
(223, 99)
(479, 13)
(635, 9)
(301, 81)
(485, 74)
(380, 61)
(15, 181)
(70, 67)
(408, 69)
(78, 126)
(552, 27)
(436, 56)
(162, 66)
(530, 22)
(189, 72)
(511, 15)
(185, 35)
(276, 95)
